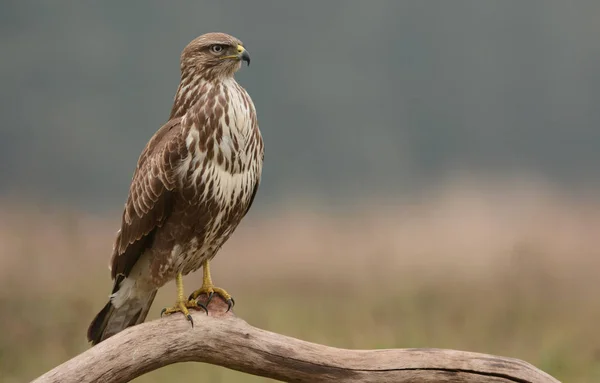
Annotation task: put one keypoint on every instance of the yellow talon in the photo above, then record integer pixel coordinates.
(210, 290)
(182, 304)
(179, 307)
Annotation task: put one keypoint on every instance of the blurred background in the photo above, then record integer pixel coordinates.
(431, 173)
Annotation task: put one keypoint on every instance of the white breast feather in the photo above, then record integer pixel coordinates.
(228, 186)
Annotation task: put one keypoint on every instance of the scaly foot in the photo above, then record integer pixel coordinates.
(210, 290)
(182, 305)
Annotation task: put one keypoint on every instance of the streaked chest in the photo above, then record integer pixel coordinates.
(224, 146)
(222, 126)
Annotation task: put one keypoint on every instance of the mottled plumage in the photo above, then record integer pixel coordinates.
(194, 182)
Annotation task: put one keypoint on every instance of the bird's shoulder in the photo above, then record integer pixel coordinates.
(166, 138)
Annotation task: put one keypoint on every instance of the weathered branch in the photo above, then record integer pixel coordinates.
(225, 340)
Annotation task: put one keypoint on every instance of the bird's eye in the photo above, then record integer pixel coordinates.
(216, 48)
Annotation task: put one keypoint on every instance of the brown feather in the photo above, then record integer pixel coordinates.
(194, 182)
(150, 199)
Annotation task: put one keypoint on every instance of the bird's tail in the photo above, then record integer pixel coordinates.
(120, 313)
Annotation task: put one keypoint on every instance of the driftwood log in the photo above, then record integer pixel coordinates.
(225, 340)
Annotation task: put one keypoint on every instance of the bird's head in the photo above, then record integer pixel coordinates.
(214, 55)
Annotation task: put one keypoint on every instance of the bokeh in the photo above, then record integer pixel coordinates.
(431, 173)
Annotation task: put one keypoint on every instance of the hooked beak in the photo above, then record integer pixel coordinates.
(243, 54)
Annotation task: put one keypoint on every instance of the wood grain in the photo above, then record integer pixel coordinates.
(226, 340)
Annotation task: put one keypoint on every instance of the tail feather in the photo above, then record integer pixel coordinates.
(111, 319)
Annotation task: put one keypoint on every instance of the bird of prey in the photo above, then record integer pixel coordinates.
(194, 182)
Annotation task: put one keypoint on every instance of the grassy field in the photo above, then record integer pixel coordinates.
(512, 274)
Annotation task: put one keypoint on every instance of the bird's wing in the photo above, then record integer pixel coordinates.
(150, 196)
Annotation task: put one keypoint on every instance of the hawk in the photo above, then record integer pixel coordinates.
(194, 182)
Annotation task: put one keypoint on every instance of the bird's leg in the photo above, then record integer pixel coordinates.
(209, 289)
(182, 304)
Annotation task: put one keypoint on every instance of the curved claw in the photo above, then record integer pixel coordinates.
(183, 307)
(202, 306)
(210, 292)
(210, 297)
(230, 304)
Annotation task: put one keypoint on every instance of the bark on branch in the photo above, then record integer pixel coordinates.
(225, 340)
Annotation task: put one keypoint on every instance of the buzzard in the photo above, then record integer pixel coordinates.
(194, 182)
